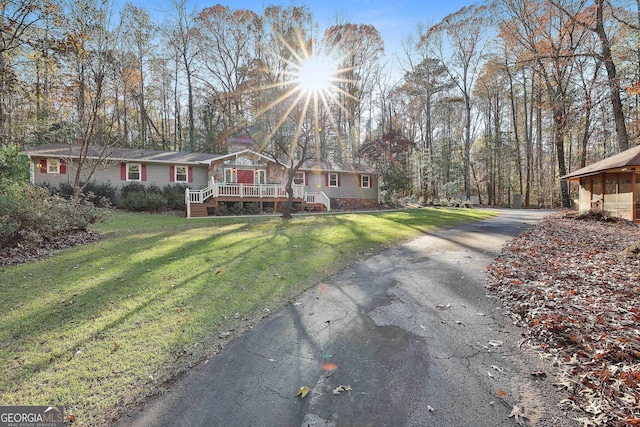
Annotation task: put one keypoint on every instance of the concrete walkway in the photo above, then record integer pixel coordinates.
(412, 332)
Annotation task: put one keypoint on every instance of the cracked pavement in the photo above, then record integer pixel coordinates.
(413, 331)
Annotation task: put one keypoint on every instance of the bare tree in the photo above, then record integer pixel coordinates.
(461, 49)
(17, 18)
(593, 18)
(360, 48)
(181, 35)
(550, 41)
(89, 42)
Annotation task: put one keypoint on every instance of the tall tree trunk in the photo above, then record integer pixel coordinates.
(613, 79)
(559, 118)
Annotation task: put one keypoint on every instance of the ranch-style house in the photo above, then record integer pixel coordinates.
(244, 176)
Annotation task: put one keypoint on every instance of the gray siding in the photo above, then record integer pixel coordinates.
(158, 174)
(349, 186)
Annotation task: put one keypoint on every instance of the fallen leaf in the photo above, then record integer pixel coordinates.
(497, 369)
(303, 391)
(329, 366)
(516, 413)
(341, 388)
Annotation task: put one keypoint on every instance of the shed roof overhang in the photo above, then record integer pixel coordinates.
(621, 162)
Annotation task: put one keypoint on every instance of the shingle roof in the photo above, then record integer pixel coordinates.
(137, 154)
(155, 156)
(311, 165)
(627, 158)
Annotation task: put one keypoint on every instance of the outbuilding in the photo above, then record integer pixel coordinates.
(612, 184)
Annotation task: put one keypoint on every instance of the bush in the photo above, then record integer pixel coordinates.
(237, 209)
(139, 201)
(27, 211)
(174, 194)
(14, 166)
(132, 187)
(252, 208)
(99, 194)
(221, 210)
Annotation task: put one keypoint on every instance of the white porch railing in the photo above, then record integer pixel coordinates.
(219, 189)
(318, 198)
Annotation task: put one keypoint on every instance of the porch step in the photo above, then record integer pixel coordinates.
(198, 210)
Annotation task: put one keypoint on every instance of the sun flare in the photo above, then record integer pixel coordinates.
(315, 74)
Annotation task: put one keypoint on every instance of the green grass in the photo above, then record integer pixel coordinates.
(96, 328)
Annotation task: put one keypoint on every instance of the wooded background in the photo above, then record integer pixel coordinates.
(498, 99)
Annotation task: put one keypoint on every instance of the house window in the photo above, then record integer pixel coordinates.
(134, 172)
(365, 181)
(298, 179)
(333, 180)
(181, 174)
(230, 175)
(53, 166)
(260, 176)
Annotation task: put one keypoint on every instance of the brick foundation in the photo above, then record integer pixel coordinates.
(354, 204)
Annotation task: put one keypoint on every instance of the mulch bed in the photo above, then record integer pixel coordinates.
(33, 248)
(574, 284)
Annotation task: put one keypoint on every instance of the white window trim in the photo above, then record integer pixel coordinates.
(337, 179)
(51, 161)
(232, 173)
(186, 174)
(301, 175)
(260, 177)
(362, 177)
(139, 172)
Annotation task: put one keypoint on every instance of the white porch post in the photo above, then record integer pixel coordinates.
(187, 201)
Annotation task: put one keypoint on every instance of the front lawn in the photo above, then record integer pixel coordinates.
(98, 327)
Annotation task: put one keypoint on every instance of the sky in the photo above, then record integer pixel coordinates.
(394, 19)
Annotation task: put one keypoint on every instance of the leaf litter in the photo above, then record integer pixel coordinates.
(575, 288)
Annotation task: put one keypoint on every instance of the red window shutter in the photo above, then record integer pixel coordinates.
(172, 173)
(338, 179)
(190, 174)
(144, 173)
(43, 166)
(123, 171)
(63, 166)
(306, 178)
(359, 180)
(326, 179)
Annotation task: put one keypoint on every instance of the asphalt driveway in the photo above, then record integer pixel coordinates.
(412, 335)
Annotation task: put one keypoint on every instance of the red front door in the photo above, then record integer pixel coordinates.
(244, 176)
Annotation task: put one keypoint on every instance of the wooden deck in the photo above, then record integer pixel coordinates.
(270, 197)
